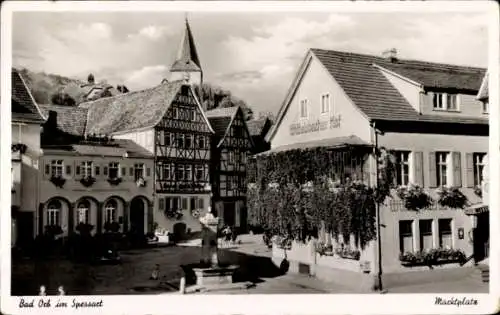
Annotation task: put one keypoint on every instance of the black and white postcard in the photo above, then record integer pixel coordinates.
(250, 157)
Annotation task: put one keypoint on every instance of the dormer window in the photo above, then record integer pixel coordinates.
(445, 101)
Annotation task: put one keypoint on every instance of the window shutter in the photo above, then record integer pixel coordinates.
(161, 204)
(432, 170)
(418, 168)
(184, 203)
(469, 166)
(77, 169)
(47, 169)
(131, 171)
(201, 203)
(148, 171)
(457, 169)
(124, 171)
(193, 203)
(105, 170)
(68, 169)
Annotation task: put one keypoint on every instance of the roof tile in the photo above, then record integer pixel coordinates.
(70, 119)
(23, 105)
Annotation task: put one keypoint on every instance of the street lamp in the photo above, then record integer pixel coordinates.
(378, 280)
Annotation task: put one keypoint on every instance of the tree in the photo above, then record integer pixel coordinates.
(62, 99)
(212, 97)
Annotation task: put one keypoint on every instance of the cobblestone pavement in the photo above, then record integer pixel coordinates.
(132, 275)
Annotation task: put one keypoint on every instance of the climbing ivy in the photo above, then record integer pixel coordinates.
(293, 193)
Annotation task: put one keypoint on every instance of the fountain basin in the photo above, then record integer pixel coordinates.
(206, 275)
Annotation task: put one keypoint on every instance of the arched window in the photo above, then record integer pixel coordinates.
(83, 212)
(54, 210)
(110, 211)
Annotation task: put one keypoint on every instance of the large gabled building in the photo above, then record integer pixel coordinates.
(426, 114)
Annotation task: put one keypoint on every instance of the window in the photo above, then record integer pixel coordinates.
(114, 170)
(97, 170)
(231, 157)
(138, 171)
(184, 203)
(201, 142)
(406, 236)
(445, 233)
(180, 172)
(325, 103)
(189, 141)
(451, 101)
(192, 202)
(243, 157)
(167, 138)
(166, 171)
(161, 204)
(425, 227)
(229, 183)
(303, 108)
(175, 203)
(56, 168)
(201, 203)
(192, 115)
(478, 168)
(180, 140)
(110, 211)
(83, 212)
(188, 174)
(442, 168)
(199, 172)
(86, 168)
(402, 167)
(445, 101)
(54, 210)
(486, 107)
(175, 113)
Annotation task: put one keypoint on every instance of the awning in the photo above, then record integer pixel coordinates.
(477, 209)
(333, 143)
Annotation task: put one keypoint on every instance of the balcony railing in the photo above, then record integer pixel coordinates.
(398, 205)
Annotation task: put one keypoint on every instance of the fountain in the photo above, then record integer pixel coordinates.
(209, 271)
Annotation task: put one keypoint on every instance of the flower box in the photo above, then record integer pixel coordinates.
(87, 181)
(19, 147)
(114, 181)
(414, 197)
(84, 228)
(324, 249)
(432, 257)
(174, 214)
(451, 198)
(140, 182)
(348, 253)
(58, 181)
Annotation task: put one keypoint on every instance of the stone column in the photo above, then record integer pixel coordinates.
(100, 210)
(126, 216)
(149, 217)
(71, 218)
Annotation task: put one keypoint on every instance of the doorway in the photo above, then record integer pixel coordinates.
(481, 237)
(137, 216)
(229, 213)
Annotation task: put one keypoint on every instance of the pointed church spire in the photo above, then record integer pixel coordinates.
(187, 56)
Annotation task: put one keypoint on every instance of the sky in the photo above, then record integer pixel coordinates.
(255, 55)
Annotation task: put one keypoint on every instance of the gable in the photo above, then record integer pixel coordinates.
(343, 118)
(237, 128)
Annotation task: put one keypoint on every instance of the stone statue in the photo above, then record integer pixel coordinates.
(209, 242)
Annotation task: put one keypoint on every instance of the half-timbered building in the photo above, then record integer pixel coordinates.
(231, 146)
(168, 121)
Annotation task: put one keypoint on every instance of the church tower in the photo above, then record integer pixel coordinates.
(187, 66)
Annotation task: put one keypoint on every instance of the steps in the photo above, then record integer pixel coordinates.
(482, 273)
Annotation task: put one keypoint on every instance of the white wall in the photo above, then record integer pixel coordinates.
(315, 82)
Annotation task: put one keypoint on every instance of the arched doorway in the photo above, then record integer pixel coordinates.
(137, 211)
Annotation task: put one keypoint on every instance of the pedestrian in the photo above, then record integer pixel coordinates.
(61, 290)
(155, 275)
(42, 291)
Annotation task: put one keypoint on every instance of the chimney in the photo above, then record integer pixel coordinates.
(391, 54)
